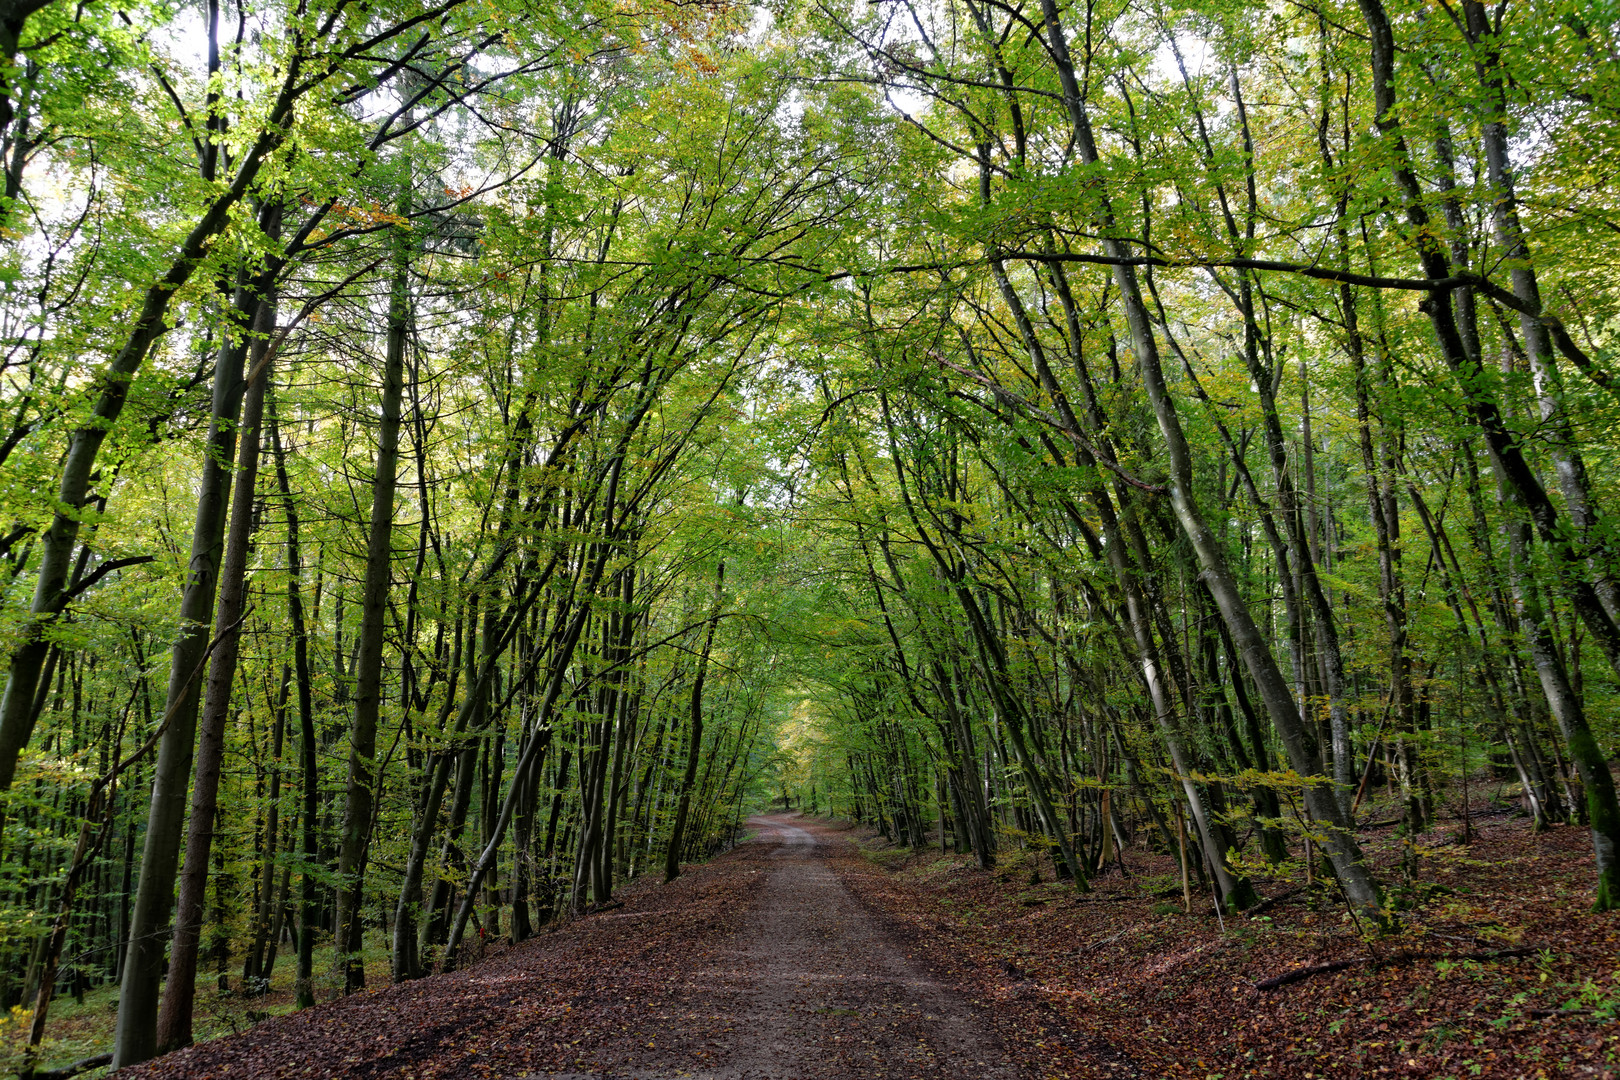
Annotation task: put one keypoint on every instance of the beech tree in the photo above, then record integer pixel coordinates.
(457, 458)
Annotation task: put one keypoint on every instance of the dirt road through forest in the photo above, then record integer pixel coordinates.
(829, 994)
(761, 965)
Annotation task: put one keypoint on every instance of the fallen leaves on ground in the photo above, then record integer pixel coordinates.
(1500, 971)
(1117, 983)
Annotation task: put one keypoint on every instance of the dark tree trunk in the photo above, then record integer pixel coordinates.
(174, 1015)
(136, 1037)
(694, 734)
(360, 796)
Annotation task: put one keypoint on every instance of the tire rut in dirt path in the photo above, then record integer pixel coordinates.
(812, 988)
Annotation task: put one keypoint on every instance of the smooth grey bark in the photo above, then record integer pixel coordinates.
(309, 895)
(593, 756)
(973, 815)
(1555, 431)
(1570, 567)
(694, 734)
(956, 732)
(174, 1016)
(135, 1039)
(1494, 701)
(562, 655)
(360, 794)
(1265, 373)
(1380, 467)
(469, 718)
(1015, 720)
(1565, 704)
(1235, 890)
(1563, 701)
(492, 762)
(1521, 488)
(609, 732)
(1360, 887)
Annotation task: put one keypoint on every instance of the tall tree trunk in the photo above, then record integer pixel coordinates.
(266, 907)
(532, 753)
(624, 727)
(309, 886)
(136, 1034)
(1520, 485)
(359, 798)
(407, 963)
(1572, 572)
(174, 1015)
(1360, 886)
(493, 763)
(1555, 431)
(523, 855)
(694, 734)
(437, 917)
(111, 390)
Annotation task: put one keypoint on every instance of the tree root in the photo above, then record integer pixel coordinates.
(1301, 974)
(68, 1070)
(1267, 905)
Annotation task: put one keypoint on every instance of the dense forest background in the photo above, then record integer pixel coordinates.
(457, 456)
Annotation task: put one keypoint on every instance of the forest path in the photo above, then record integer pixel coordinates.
(828, 993)
(760, 965)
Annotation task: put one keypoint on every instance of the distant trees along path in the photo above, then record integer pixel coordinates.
(456, 457)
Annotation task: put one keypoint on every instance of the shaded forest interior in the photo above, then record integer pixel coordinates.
(458, 458)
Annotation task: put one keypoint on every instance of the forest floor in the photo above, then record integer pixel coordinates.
(820, 952)
(764, 963)
(1498, 967)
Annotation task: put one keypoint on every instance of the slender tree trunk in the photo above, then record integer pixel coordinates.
(624, 727)
(136, 1034)
(438, 914)
(493, 764)
(532, 753)
(1555, 431)
(174, 1015)
(1572, 572)
(309, 887)
(267, 907)
(92, 835)
(78, 470)
(694, 734)
(1520, 484)
(523, 857)
(1354, 876)
(407, 963)
(360, 796)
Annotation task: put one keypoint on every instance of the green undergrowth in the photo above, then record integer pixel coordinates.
(78, 1030)
(882, 854)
